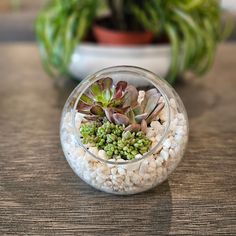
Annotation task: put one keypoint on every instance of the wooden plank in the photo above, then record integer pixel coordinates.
(40, 195)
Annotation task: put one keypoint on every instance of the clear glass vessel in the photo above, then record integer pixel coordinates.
(169, 135)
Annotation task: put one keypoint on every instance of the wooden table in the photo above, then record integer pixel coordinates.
(40, 195)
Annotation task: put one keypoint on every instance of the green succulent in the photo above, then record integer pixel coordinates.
(103, 98)
(114, 140)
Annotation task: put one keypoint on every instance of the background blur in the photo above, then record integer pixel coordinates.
(17, 18)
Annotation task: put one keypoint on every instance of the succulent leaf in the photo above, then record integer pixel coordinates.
(97, 110)
(106, 94)
(109, 114)
(133, 127)
(92, 117)
(137, 110)
(141, 117)
(83, 107)
(143, 126)
(105, 83)
(151, 92)
(120, 119)
(86, 99)
(120, 87)
(116, 102)
(155, 112)
(131, 96)
(95, 90)
(131, 116)
(148, 94)
(152, 103)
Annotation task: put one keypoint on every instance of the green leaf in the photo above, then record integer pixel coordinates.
(96, 90)
(97, 110)
(86, 99)
(175, 53)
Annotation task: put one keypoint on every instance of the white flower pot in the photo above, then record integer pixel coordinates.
(89, 58)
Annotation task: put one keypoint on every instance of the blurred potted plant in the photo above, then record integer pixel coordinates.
(121, 26)
(190, 29)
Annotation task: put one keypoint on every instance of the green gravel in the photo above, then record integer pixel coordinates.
(114, 140)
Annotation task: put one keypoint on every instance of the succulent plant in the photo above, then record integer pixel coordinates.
(114, 140)
(119, 104)
(104, 99)
(141, 115)
(101, 97)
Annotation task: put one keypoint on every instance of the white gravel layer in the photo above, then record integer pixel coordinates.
(128, 178)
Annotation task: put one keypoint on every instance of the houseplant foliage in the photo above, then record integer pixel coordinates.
(192, 27)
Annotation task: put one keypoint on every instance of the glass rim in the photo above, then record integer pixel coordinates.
(149, 76)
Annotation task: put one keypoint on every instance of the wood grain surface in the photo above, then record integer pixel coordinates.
(40, 194)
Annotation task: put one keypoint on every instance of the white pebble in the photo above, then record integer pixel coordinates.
(153, 139)
(164, 154)
(174, 144)
(88, 157)
(163, 114)
(177, 150)
(113, 171)
(87, 175)
(120, 160)
(178, 137)
(102, 154)
(80, 152)
(158, 149)
(105, 169)
(172, 103)
(173, 124)
(93, 174)
(154, 144)
(138, 156)
(127, 181)
(141, 95)
(143, 167)
(136, 179)
(121, 171)
(150, 133)
(152, 163)
(108, 184)
(167, 143)
(94, 150)
(172, 153)
(156, 125)
(180, 116)
(100, 179)
(146, 176)
(132, 166)
(151, 170)
(159, 162)
(111, 165)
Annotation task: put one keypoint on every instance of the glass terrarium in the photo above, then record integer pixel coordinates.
(124, 130)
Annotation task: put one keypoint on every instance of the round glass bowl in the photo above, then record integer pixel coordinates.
(168, 133)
